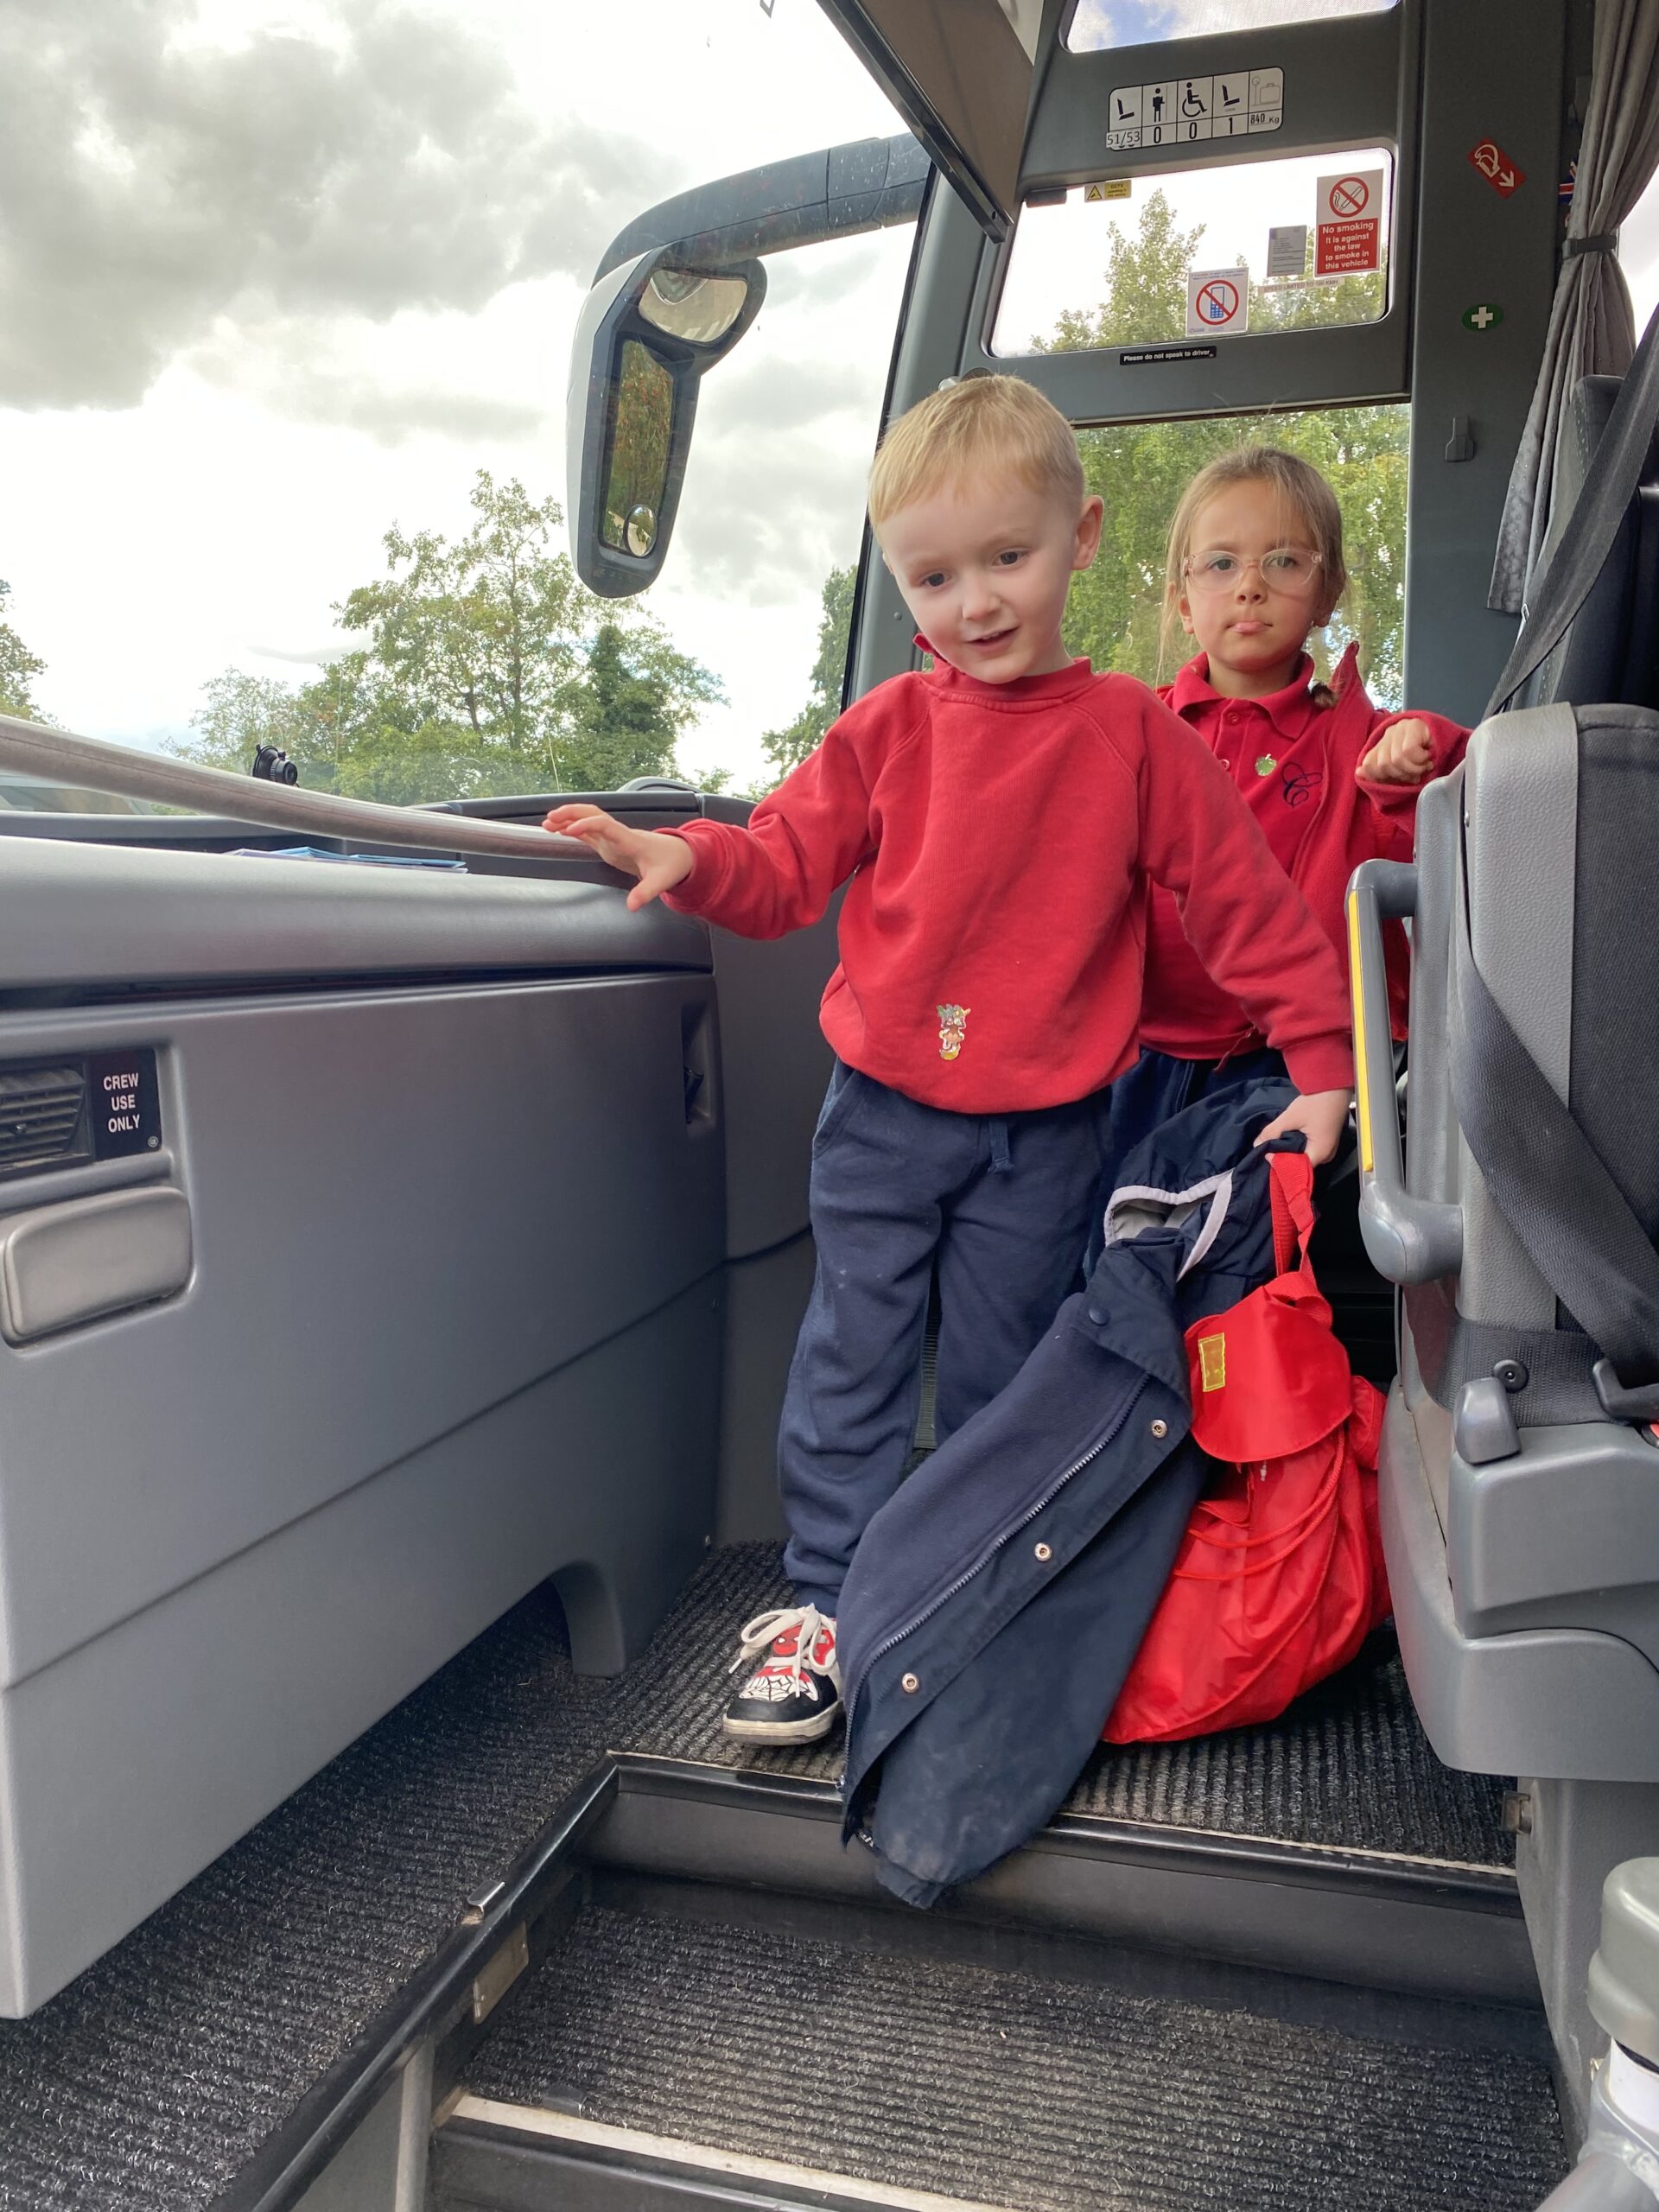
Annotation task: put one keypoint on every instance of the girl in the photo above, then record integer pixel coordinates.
(1254, 565)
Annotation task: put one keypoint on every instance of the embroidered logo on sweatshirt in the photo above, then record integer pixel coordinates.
(953, 1029)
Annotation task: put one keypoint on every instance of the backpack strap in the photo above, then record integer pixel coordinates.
(1290, 1195)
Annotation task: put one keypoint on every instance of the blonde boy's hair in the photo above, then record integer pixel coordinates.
(975, 425)
(1303, 493)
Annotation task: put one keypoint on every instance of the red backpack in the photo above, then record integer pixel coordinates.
(1279, 1576)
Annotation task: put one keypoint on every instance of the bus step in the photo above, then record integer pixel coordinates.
(733, 2048)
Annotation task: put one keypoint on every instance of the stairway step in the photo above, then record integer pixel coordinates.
(989, 2086)
(1347, 1769)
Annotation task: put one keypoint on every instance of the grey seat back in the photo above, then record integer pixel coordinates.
(1523, 1523)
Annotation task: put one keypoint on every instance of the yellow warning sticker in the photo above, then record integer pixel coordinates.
(1212, 1363)
(1107, 188)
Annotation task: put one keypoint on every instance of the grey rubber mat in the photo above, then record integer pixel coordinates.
(1008, 2088)
(151, 2081)
(1348, 1767)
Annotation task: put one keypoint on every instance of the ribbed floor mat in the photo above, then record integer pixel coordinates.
(1348, 1767)
(1008, 2088)
(151, 2080)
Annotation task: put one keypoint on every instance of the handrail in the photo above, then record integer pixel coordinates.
(1407, 1239)
(56, 756)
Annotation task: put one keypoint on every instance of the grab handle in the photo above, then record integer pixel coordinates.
(1407, 1240)
(57, 756)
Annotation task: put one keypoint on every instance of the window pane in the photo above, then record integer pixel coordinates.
(1099, 23)
(1116, 610)
(1113, 273)
(300, 483)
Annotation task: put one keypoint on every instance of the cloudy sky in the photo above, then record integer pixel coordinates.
(280, 273)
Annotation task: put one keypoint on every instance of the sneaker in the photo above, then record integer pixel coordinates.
(794, 1696)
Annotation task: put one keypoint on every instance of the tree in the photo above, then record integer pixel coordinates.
(485, 667)
(18, 668)
(1115, 612)
(787, 748)
(638, 695)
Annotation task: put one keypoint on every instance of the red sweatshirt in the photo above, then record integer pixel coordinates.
(1296, 763)
(999, 837)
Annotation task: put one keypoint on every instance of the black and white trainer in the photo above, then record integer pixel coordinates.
(794, 1696)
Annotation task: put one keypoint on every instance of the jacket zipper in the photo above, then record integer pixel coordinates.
(1006, 1536)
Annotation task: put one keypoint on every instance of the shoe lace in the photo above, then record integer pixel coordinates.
(764, 1631)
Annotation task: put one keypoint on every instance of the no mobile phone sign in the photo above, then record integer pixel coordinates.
(1217, 302)
(1349, 238)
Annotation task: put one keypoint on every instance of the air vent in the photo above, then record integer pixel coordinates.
(41, 1116)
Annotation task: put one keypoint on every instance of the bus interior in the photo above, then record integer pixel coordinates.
(399, 1267)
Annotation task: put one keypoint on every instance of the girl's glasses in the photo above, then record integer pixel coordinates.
(1289, 568)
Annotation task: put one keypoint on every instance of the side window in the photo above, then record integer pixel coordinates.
(759, 582)
(1139, 293)
(1115, 613)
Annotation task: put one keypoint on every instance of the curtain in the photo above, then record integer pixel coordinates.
(1592, 328)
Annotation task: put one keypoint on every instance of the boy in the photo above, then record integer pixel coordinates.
(1000, 818)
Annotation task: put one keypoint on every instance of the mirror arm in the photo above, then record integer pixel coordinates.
(869, 184)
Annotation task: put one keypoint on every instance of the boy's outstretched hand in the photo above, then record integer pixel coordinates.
(1321, 1116)
(1403, 754)
(659, 862)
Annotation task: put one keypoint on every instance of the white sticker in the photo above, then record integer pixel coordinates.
(1217, 302)
(1288, 250)
(1183, 110)
(1348, 241)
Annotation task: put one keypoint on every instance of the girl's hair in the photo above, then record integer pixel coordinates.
(975, 423)
(1304, 493)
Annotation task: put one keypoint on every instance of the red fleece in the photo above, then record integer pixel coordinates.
(1296, 764)
(999, 839)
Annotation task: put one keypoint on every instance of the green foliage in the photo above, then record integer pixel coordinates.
(1116, 611)
(485, 668)
(787, 748)
(18, 668)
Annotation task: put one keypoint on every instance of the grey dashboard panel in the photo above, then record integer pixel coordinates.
(449, 1157)
(133, 1761)
(406, 1207)
(74, 915)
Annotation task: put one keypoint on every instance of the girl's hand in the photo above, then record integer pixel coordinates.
(1321, 1116)
(659, 862)
(1403, 754)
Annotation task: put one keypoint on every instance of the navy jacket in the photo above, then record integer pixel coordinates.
(994, 1606)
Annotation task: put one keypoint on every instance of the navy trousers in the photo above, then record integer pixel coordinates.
(1001, 1205)
(1159, 1086)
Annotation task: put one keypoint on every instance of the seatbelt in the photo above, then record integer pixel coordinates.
(1590, 529)
(1547, 1181)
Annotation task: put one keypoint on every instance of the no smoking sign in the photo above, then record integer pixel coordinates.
(1348, 240)
(1217, 302)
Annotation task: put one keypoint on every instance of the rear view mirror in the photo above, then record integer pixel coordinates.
(647, 333)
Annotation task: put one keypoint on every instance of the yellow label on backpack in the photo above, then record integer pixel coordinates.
(1212, 1363)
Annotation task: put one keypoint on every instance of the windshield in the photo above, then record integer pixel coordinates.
(283, 434)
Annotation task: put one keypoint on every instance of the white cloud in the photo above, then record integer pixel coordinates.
(293, 269)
